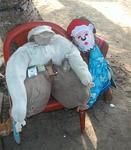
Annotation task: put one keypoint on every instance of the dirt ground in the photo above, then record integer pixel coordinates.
(107, 128)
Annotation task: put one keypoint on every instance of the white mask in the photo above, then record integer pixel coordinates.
(83, 37)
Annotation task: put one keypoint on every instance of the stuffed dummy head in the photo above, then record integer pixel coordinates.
(82, 33)
(41, 35)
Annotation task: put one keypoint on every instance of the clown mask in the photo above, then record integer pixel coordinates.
(83, 37)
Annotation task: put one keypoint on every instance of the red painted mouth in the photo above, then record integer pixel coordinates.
(86, 43)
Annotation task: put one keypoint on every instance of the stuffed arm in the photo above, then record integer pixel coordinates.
(15, 75)
(79, 66)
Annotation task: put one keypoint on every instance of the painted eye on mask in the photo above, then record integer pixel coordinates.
(86, 34)
(79, 37)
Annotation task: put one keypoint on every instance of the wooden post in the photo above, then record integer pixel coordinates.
(82, 120)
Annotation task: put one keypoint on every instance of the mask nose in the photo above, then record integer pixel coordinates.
(83, 38)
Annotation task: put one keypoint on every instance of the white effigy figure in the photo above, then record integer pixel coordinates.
(45, 47)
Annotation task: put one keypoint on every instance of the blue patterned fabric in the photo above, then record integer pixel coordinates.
(99, 69)
(16, 134)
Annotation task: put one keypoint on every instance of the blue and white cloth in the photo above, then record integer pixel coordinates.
(99, 69)
(16, 134)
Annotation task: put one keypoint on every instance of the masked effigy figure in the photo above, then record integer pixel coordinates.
(82, 32)
(29, 83)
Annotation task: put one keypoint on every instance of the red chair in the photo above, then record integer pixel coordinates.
(18, 36)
